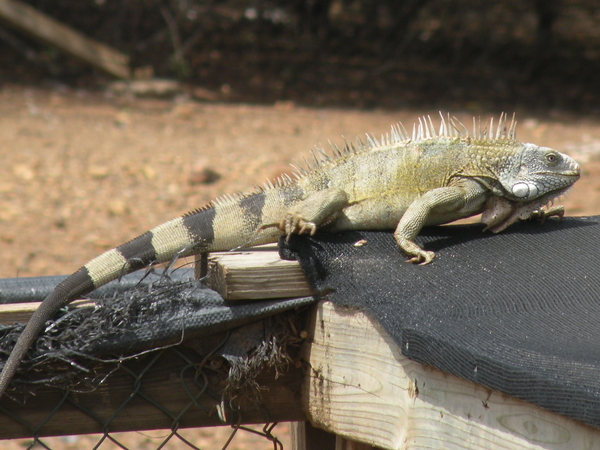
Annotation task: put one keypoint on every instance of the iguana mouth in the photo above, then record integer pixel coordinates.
(574, 174)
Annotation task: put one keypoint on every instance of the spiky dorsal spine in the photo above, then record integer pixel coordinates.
(450, 127)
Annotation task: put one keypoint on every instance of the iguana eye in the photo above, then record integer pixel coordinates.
(551, 158)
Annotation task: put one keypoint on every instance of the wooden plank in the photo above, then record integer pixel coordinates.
(50, 31)
(255, 275)
(304, 436)
(12, 313)
(362, 388)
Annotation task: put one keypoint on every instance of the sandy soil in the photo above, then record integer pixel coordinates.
(83, 171)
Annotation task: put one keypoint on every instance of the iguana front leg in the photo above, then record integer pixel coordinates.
(317, 210)
(543, 214)
(437, 206)
(500, 213)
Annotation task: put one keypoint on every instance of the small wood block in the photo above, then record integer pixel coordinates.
(255, 275)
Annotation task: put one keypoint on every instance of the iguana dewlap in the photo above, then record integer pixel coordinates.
(399, 183)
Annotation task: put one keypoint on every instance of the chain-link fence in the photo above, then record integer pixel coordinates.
(240, 375)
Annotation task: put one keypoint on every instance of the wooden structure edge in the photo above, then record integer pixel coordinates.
(361, 387)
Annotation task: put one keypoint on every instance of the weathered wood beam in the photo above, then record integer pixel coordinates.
(362, 388)
(47, 30)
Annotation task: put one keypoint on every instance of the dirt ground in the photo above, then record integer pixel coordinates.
(84, 171)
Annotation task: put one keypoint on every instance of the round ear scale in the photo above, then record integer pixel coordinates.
(525, 190)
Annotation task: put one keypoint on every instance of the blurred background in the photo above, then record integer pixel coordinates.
(474, 54)
(225, 94)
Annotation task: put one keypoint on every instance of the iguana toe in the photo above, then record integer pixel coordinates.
(422, 258)
(543, 214)
(292, 224)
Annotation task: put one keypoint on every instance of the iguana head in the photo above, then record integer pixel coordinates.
(530, 179)
(537, 172)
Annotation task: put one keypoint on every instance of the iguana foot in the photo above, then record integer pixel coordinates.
(319, 209)
(293, 224)
(424, 257)
(416, 253)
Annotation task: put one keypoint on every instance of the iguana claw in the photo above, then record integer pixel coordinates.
(292, 224)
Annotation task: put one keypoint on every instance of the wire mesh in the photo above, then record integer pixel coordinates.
(171, 388)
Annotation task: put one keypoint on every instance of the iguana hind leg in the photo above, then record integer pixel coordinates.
(317, 210)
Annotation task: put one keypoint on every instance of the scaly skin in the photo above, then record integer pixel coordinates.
(402, 184)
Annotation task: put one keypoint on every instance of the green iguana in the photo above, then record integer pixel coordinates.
(402, 182)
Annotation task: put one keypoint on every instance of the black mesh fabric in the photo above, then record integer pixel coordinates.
(518, 312)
